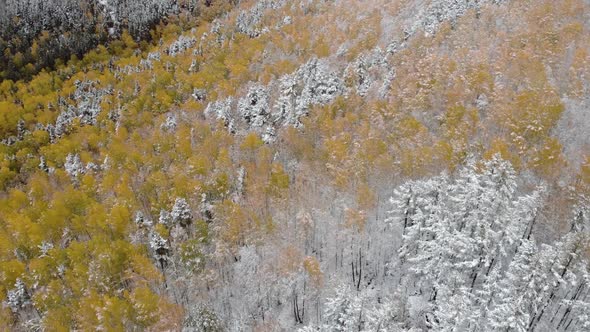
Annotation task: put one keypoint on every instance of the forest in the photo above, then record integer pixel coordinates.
(309, 165)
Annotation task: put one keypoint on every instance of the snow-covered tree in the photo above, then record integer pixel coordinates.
(386, 316)
(320, 85)
(222, 110)
(200, 318)
(181, 45)
(160, 248)
(254, 108)
(468, 251)
(181, 212)
(251, 289)
(249, 21)
(170, 123)
(18, 297)
(141, 221)
(43, 165)
(165, 218)
(73, 165)
(345, 311)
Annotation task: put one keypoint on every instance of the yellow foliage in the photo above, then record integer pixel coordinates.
(11, 270)
(428, 122)
(235, 223)
(498, 146)
(119, 220)
(251, 142)
(145, 306)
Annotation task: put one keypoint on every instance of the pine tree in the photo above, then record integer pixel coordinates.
(73, 166)
(18, 297)
(160, 248)
(345, 311)
(181, 212)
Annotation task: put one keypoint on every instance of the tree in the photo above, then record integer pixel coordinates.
(467, 247)
(181, 212)
(345, 311)
(202, 319)
(160, 248)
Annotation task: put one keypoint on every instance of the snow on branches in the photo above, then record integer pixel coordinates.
(181, 212)
(469, 252)
(249, 21)
(282, 102)
(85, 106)
(180, 45)
(254, 108)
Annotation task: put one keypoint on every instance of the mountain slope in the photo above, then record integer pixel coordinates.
(237, 175)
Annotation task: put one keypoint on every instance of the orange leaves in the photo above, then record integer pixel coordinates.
(578, 71)
(409, 127)
(527, 120)
(145, 306)
(141, 270)
(457, 93)
(583, 176)
(276, 69)
(108, 312)
(290, 260)
(240, 61)
(300, 146)
(337, 148)
(199, 165)
(139, 306)
(459, 122)
(321, 48)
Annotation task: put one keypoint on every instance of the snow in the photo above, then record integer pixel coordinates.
(165, 218)
(86, 107)
(181, 213)
(45, 247)
(249, 21)
(170, 124)
(573, 128)
(222, 110)
(73, 166)
(160, 248)
(254, 108)
(141, 221)
(180, 45)
(199, 94)
(312, 84)
(17, 298)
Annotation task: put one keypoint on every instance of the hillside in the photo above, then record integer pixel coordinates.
(314, 165)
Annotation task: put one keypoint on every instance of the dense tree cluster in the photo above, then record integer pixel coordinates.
(312, 84)
(316, 165)
(39, 34)
(472, 260)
